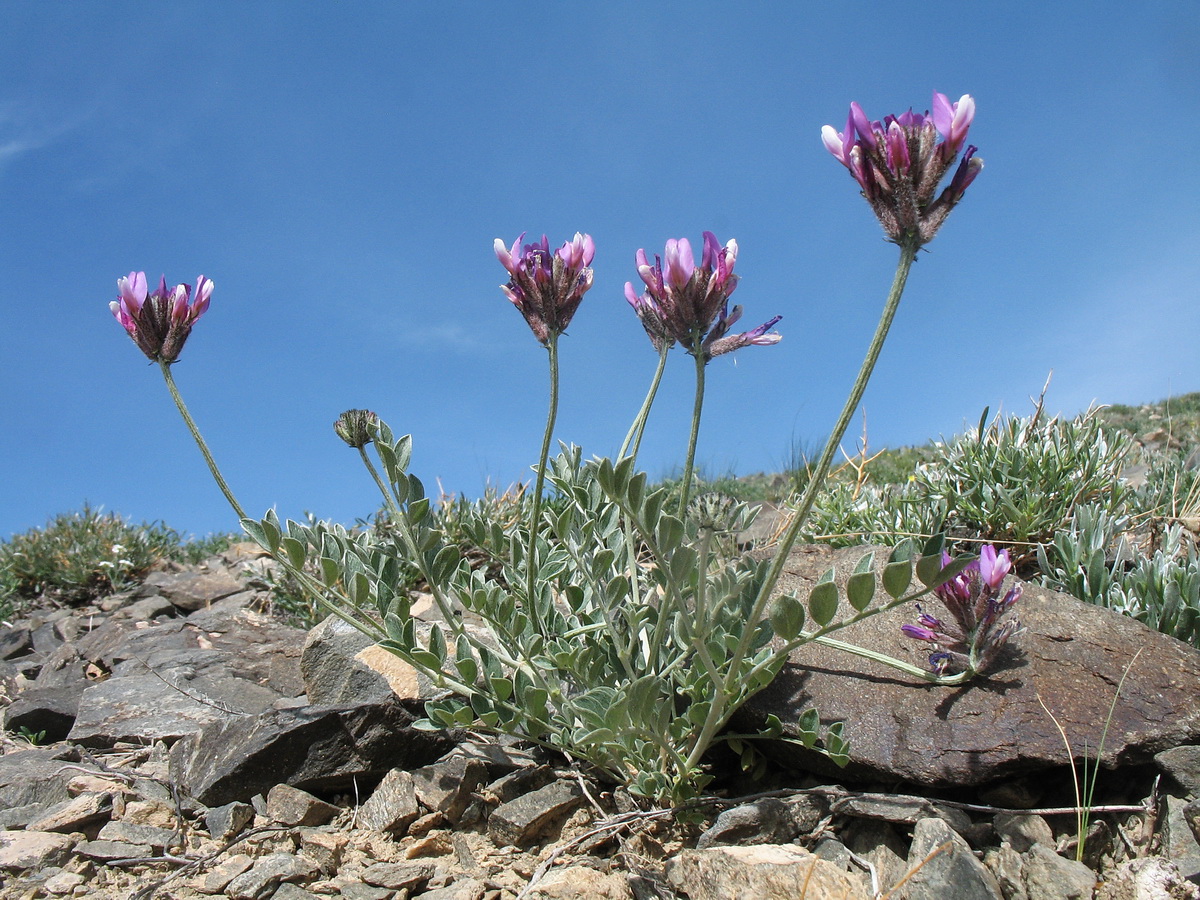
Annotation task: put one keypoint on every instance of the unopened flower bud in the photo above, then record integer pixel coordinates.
(354, 427)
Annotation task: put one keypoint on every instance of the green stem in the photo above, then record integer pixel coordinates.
(196, 436)
(697, 407)
(908, 253)
(536, 514)
(716, 714)
(638, 428)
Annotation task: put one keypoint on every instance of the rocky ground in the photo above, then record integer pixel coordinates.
(188, 745)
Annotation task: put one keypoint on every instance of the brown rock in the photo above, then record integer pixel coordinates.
(33, 849)
(1072, 654)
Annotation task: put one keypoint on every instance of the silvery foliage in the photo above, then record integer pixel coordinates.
(624, 656)
(1020, 479)
(1095, 560)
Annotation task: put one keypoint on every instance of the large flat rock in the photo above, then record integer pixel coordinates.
(1072, 655)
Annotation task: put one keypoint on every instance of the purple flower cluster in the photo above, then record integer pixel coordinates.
(689, 303)
(547, 287)
(899, 164)
(159, 323)
(972, 597)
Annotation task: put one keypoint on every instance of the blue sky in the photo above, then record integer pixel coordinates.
(340, 170)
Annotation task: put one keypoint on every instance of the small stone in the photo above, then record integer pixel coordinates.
(33, 849)
(940, 864)
(448, 786)
(519, 782)
(107, 851)
(62, 883)
(158, 813)
(97, 784)
(131, 833)
(1049, 876)
(74, 814)
(764, 872)
(1023, 831)
(393, 805)
(878, 843)
(264, 876)
(216, 879)
(462, 889)
(581, 883)
(1151, 878)
(1179, 843)
(1009, 868)
(902, 809)
(291, 806)
(230, 820)
(436, 844)
(521, 821)
(324, 848)
(1182, 764)
(356, 890)
(767, 821)
(399, 876)
(288, 891)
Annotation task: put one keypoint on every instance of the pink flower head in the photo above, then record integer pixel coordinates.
(975, 636)
(547, 287)
(159, 323)
(689, 303)
(899, 164)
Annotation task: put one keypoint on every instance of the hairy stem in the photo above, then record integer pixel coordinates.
(697, 408)
(638, 428)
(199, 439)
(540, 484)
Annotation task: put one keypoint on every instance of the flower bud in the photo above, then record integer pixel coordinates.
(354, 427)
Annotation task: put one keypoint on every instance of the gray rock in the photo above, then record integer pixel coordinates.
(15, 818)
(1009, 868)
(1179, 843)
(582, 883)
(393, 804)
(332, 672)
(900, 808)
(878, 843)
(229, 820)
(521, 821)
(34, 850)
(317, 749)
(154, 707)
(47, 710)
(356, 890)
(261, 880)
(1023, 831)
(900, 728)
(1049, 876)
(1182, 764)
(288, 805)
(216, 879)
(75, 814)
(940, 864)
(15, 641)
(147, 609)
(156, 838)
(1151, 878)
(449, 785)
(191, 590)
(289, 891)
(766, 821)
(107, 851)
(35, 776)
(399, 876)
(522, 781)
(764, 872)
(465, 889)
